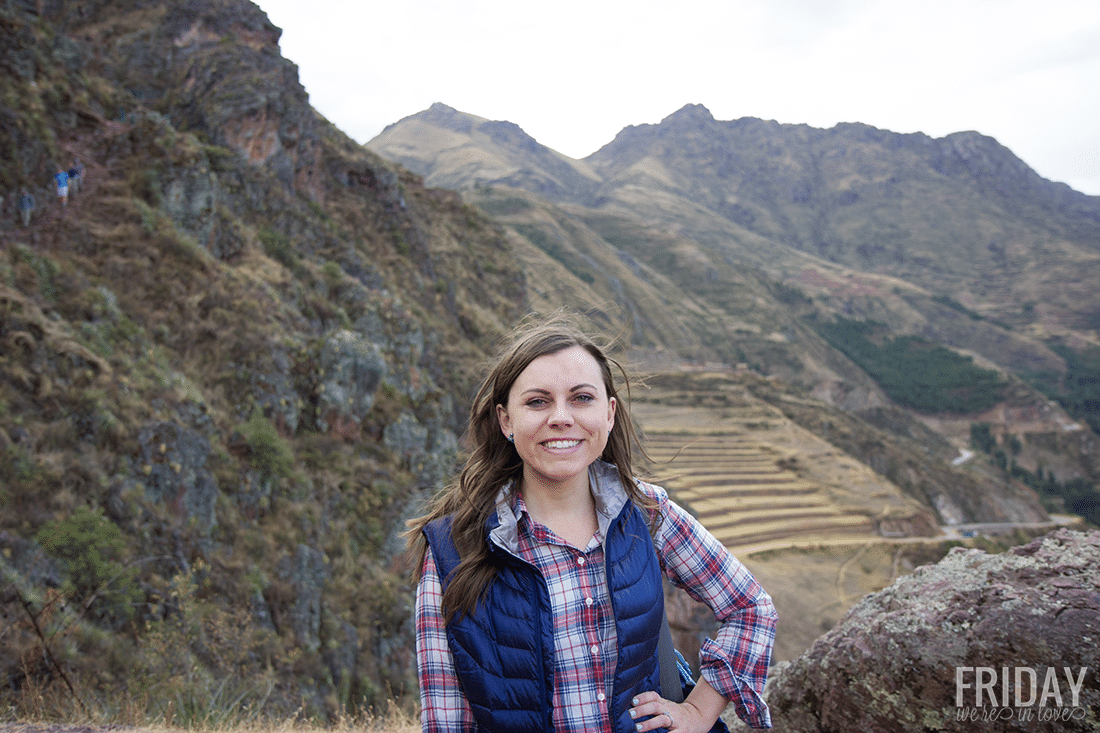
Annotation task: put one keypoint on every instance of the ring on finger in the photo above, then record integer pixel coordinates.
(671, 721)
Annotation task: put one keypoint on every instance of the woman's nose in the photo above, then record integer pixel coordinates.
(561, 415)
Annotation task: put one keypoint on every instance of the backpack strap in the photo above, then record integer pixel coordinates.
(671, 687)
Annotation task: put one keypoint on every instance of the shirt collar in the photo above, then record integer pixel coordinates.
(607, 492)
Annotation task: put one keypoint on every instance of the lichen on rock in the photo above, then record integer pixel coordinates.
(941, 648)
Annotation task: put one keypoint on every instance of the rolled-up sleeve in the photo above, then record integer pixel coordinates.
(443, 707)
(736, 661)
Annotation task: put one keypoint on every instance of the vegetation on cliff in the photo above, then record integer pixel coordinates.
(914, 372)
(231, 366)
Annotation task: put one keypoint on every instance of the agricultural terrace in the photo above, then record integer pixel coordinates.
(757, 481)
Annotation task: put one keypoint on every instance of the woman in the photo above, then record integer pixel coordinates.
(540, 601)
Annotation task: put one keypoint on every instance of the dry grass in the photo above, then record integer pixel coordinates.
(53, 710)
(389, 722)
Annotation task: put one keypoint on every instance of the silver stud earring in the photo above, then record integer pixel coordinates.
(511, 437)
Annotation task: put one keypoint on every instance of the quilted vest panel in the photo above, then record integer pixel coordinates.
(504, 651)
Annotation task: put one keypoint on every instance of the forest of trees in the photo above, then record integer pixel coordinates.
(914, 371)
(1080, 388)
(1076, 495)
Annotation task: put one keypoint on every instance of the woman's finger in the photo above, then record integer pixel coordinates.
(652, 712)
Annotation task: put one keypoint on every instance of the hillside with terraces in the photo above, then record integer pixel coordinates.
(758, 481)
(817, 526)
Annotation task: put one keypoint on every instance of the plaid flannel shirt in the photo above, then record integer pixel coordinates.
(735, 662)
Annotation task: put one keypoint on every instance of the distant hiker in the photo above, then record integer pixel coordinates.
(62, 180)
(546, 556)
(26, 206)
(76, 176)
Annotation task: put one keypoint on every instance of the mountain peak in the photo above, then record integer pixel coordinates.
(444, 116)
(692, 112)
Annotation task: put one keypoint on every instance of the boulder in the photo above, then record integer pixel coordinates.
(975, 642)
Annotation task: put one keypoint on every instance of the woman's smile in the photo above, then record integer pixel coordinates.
(561, 444)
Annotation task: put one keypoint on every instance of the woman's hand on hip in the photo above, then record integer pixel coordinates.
(653, 712)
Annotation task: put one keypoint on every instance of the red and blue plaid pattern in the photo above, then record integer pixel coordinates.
(735, 663)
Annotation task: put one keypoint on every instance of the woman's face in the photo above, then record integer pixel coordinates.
(560, 416)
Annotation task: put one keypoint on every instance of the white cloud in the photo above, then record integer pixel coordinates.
(573, 73)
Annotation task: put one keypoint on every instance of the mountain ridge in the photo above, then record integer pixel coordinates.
(782, 228)
(853, 195)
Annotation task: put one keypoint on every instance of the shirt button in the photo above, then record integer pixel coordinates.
(595, 649)
(588, 601)
(580, 561)
(601, 697)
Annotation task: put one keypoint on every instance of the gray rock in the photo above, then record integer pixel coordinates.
(351, 368)
(941, 649)
(171, 466)
(306, 571)
(271, 386)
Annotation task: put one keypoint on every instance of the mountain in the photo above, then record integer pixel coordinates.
(455, 150)
(961, 216)
(796, 241)
(230, 367)
(241, 355)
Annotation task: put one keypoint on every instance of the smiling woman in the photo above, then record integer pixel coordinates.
(540, 600)
(559, 416)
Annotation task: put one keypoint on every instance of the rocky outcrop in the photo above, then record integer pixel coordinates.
(171, 467)
(243, 96)
(976, 642)
(352, 368)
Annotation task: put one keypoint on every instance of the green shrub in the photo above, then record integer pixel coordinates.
(277, 247)
(270, 454)
(90, 547)
(981, 437)
(1079, 391)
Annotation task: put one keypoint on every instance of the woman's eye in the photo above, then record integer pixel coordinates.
(584, 398)
(537, 402)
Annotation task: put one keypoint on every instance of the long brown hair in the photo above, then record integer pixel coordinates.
(493, 461)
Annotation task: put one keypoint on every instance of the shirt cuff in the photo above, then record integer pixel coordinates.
(747, 702)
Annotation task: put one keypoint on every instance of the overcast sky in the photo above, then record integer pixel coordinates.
(572, 73)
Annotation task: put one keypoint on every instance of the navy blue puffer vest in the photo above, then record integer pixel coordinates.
(504, 651)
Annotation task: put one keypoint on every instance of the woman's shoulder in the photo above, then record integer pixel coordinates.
(652, 491)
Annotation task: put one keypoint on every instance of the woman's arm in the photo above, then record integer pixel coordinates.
(734, 663)
(443, 707)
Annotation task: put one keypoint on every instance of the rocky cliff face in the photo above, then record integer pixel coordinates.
(244, 345)
(976, 642)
